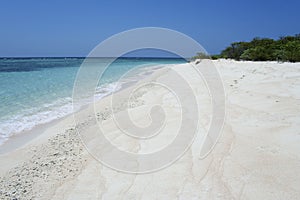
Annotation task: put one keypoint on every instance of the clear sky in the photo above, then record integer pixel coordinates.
(74, 28)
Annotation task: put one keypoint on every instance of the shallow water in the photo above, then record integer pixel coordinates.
(38, 90)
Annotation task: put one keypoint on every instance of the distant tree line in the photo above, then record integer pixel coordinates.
(262, 49)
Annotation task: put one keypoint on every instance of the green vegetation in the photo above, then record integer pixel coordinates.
(262, 49)
(201, 56)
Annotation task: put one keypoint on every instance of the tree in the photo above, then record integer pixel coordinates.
(292, 51)
(286, 48)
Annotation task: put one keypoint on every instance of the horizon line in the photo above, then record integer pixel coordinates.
(27, 57)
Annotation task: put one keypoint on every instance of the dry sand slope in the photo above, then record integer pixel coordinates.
(256, 157)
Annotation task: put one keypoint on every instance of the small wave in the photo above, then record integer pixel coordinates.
(46, 113)
(107, 89)
(31, 118)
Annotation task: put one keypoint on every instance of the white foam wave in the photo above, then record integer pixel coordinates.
(31, 118)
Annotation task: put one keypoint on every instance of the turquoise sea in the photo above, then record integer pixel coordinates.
(35, 91)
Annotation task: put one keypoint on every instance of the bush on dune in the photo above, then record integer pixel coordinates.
(262, 49)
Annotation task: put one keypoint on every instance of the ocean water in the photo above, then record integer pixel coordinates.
(35, 91)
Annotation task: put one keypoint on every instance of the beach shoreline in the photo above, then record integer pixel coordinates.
(257, 152)
(17, 140)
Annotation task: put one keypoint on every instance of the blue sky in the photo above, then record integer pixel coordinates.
(74, 28)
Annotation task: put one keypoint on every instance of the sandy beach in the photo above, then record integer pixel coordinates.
(256, 157)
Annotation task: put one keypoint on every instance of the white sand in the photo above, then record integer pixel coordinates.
(256, 157)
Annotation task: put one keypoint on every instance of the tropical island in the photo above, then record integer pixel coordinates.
(98, 100)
